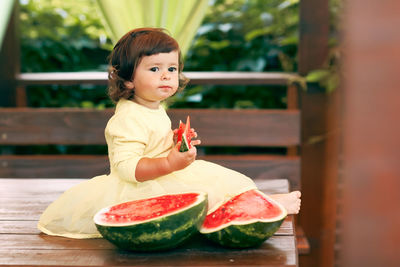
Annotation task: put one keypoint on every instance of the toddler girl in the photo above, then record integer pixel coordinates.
(145, 69)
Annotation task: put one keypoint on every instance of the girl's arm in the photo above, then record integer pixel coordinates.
(151, 168)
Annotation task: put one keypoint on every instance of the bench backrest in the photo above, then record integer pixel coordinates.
(216, 128)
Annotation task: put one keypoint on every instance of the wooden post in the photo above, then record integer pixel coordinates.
(372, 133)
(9, 63)
(292, 93)
(313, 51)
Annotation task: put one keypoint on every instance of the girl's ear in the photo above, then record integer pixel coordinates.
(129, 85)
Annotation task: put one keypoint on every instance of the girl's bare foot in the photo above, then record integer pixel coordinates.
(290, 201)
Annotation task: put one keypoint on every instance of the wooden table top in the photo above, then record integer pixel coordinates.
(23, 200)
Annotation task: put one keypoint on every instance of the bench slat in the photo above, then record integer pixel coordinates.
(87, 166)
(253, 127)
(276, 251)
(216, 127)
(198, 77)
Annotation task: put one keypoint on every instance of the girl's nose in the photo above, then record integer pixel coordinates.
(165, 76)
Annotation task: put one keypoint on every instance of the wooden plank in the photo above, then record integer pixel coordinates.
(30, 227)
(43, 188)
(26, 199)
(46, 190)
(25, 126)
(226, 127)
(101, 78)
(222, 127)
(53, 166)
(258, 167)
(276, 251)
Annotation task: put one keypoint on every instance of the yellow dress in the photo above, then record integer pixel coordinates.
(134, 132)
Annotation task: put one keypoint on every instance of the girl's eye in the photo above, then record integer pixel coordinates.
(172, 69)
(154, 69)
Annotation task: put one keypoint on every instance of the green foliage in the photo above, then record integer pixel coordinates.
(243, 35)
(236, 35)
(61, 36)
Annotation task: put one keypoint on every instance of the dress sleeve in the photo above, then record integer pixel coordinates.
(129, 137)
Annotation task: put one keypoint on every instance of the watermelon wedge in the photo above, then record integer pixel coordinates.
(245, 220)
(185, 135)
(157, 223)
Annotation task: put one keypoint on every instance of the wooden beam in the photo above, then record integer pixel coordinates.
(9, 63)
(314, 34)
(313, 51)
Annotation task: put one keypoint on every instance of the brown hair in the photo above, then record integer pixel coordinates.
(129, 51)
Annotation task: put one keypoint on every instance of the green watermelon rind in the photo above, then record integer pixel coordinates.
(184, 145)
(245, 236)
(163, 233)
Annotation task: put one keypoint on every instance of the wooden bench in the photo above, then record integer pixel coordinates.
(216, 128)
(23, 200)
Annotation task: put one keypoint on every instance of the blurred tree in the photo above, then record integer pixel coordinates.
(243, 35)
(236, 35)
(63, 36)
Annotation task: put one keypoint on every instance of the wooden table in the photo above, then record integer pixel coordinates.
(23, 200)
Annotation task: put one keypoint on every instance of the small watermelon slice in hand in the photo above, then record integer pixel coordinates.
(243, 221)
(185, 135)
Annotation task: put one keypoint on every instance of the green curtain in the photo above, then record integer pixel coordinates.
(180, 17)
(6, 7)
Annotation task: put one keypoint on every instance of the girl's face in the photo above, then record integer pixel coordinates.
(156, 78)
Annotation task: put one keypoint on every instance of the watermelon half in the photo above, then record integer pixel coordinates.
(184, 135)
(157, 223)
(245, 220)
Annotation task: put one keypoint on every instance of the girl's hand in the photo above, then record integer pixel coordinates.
(179, 160)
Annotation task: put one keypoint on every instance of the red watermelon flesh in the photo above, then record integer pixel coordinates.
(146, 209)
(251, 205)
(185, 135)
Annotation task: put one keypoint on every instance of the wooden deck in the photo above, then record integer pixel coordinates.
(23, 200)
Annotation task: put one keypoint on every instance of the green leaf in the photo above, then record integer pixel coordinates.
(256, 33)
(317, 75)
